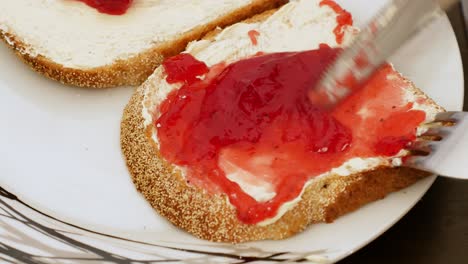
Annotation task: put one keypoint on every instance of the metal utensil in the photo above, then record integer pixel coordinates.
(397, 22)
(440, 148)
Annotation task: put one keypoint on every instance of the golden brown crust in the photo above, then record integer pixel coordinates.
(135, 70)
(211, 217)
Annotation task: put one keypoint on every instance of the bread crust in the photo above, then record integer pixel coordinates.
(135, 70)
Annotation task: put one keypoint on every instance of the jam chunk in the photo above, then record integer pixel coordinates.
(111, 7)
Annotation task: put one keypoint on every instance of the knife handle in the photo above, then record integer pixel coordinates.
(447, 4)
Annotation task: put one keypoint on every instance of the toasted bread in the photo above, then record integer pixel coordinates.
(211, 216)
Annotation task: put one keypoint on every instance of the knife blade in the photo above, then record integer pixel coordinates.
(394, 24)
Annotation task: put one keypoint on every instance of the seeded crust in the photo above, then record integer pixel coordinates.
(135, 70)
(211, 217)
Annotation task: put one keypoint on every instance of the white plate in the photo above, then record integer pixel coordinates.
(60, 154)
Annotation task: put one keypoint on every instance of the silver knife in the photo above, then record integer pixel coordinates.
(396, 23)
(386, 32)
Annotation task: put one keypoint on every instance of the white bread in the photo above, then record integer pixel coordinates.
(212, 217)
(73, 43)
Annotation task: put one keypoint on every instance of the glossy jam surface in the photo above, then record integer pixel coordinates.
(253, 117)
(343, 19)
(111, 7)
(184, 68)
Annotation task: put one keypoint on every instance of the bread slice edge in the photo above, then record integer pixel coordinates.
(136, 69)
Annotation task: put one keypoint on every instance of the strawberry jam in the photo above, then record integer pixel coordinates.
(253, 35)
(110, 7)
(253, 118)
(343, 19)
(184, 68)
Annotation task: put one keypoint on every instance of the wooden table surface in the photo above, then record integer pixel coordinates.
(436, 229)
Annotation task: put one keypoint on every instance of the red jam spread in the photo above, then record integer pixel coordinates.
(184, 68)
(343, 19)
(253, 115)
(111, 7)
